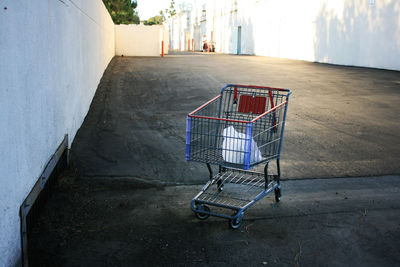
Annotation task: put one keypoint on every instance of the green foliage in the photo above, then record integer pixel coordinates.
(156, 20)
(168, 12)
(171, 11)
(122, 11)
(159, 19)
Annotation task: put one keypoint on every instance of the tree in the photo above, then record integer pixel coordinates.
(171, 11)
(122, 11)
(159, 19)
(156, 20)
(168, 11)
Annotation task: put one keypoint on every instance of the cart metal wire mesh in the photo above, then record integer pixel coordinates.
(240, 128)
(240, 189)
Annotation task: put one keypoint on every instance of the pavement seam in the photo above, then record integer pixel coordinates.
(158, 182)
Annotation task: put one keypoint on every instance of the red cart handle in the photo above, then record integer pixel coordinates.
(272, 106)
(235, 97)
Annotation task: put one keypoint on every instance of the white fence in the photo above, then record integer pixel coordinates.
(140, 40)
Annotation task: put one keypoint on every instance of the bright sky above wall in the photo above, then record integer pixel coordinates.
(151, 8)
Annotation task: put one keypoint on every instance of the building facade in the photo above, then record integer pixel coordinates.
(347, 32)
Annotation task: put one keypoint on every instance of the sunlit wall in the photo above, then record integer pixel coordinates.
(348, 32)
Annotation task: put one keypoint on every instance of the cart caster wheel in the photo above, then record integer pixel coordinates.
(277, 194)
(200, 215)
(237, 222)
(220, 186)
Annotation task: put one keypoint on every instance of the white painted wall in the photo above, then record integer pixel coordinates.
(348, 32)
(164, 36)
(138, 40)
(52, 56)
(178, 31)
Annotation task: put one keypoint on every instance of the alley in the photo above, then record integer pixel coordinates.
(342, 121)
(125, 201)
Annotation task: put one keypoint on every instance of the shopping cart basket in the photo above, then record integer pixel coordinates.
(237, 130)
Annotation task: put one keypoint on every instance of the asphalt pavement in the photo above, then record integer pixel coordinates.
(126, 199)
(318, 222)
(341, 121)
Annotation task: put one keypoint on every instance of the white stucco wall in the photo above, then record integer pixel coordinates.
(347, 32)
(53, 54)
(138, 40)
(164, 36)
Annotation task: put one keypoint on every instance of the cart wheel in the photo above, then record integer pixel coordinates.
(220, 186)
(237, 222)
(201, 215)
(277, 194)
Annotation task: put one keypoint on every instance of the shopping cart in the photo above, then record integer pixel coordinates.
(237, 130)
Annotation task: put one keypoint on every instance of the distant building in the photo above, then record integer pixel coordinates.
(346, 32)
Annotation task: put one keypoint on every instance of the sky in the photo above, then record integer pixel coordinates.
(151, 8)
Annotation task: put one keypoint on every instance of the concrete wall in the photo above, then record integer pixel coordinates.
(139, 40)
(53, 54)
(348, 32)
(164, 36)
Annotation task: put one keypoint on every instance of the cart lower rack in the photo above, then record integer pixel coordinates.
(237, 130)
(234, 189)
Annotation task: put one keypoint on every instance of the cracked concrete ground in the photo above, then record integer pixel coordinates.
(127, 204)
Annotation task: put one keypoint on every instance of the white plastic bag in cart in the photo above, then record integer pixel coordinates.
(233, 147)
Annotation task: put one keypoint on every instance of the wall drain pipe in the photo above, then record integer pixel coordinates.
(35, 192)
